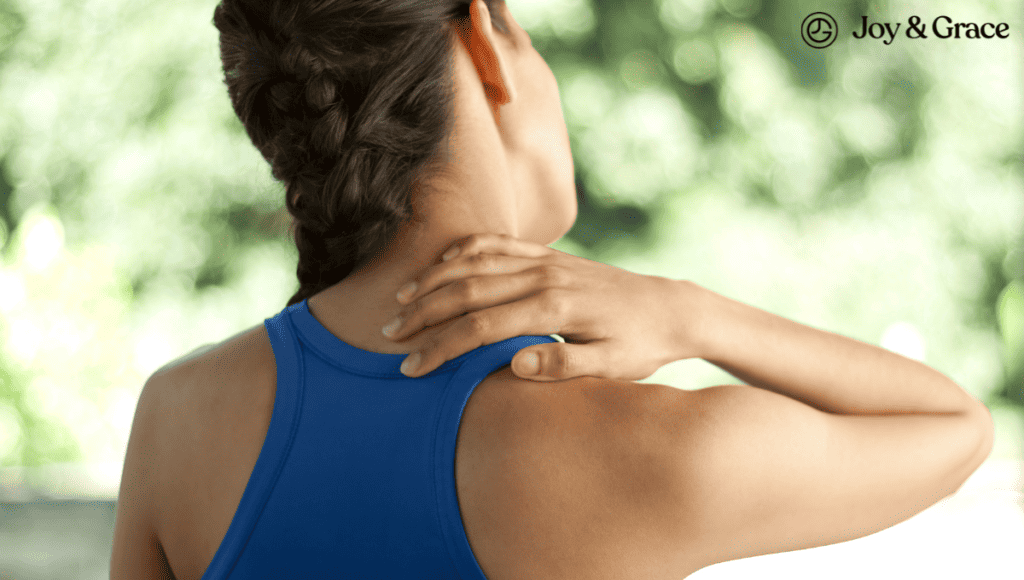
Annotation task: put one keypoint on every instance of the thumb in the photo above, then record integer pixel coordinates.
(556, 361)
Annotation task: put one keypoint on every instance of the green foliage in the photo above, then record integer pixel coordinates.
(1010, 310)
(874, 190)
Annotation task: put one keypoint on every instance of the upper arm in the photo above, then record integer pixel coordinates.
(136, 551)
(759, 472)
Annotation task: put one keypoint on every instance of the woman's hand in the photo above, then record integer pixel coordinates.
(616, 324)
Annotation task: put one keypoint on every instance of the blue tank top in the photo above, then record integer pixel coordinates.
(356, 476)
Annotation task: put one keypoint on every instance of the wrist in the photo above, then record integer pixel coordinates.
(689, 318)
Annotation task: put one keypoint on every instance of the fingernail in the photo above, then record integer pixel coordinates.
(410, 363)
(529, 364)
(390, 328)
(406, 291)
(451, 253)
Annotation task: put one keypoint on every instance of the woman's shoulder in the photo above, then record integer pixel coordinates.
(250, 345)
(216, 389)
(207, 416)
(563, 475)
(223, 384)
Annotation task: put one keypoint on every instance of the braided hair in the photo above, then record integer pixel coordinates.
(350, 101)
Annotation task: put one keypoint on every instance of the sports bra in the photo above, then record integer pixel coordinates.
(356, 475)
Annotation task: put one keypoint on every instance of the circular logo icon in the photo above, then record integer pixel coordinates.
(819, 30)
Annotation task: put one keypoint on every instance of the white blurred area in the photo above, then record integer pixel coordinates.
(977, 533)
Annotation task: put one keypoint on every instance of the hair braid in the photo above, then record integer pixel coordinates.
(349, 101)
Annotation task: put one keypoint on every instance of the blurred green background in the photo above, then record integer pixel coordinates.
(873, 190)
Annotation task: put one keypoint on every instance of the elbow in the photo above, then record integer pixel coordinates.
(987, 429)
(983, 430)
(978, 419)
(984, 437)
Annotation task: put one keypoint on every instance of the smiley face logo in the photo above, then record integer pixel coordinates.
(819, 30)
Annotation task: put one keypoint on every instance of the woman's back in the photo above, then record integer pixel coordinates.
(539, 476)
(581, 478)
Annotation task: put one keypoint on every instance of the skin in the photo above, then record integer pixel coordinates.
(581, 473)
(201, 420)
(510, 172)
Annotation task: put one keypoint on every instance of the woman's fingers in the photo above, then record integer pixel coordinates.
(471, 250)
(539, 314)
(496, 287)
(463, 266)
(559, 360)
(498, 244)
(464, 296)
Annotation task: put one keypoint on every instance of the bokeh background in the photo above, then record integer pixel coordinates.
(869, 189)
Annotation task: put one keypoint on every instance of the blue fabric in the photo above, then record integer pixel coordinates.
(356, 476)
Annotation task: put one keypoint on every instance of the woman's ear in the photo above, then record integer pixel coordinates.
(488, 56)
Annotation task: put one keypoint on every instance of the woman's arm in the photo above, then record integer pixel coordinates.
(137, 552)
(835, 440)
(829, 372)
(841, 440)
(622, 325)
(626, 324)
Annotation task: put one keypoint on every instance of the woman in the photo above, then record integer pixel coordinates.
(423, 142)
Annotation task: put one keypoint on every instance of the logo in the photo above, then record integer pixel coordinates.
(819, 30)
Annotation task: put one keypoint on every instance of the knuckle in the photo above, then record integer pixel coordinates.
(468, 290)
(427, 350)
(559, 362)
(413, 308)
(563, 276)
(555, 304)
(431, 310)
(475, 240)
(552, 275)
(428, 310)
(482, 261)
(476, 324)
(434, 351)
(427, 279)
(609, 361)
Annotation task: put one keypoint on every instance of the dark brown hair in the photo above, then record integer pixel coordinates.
(350, 101)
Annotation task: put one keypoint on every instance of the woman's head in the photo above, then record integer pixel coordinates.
(351, 102)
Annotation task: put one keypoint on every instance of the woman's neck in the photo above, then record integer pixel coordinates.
(356, 308)
(483, 189)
